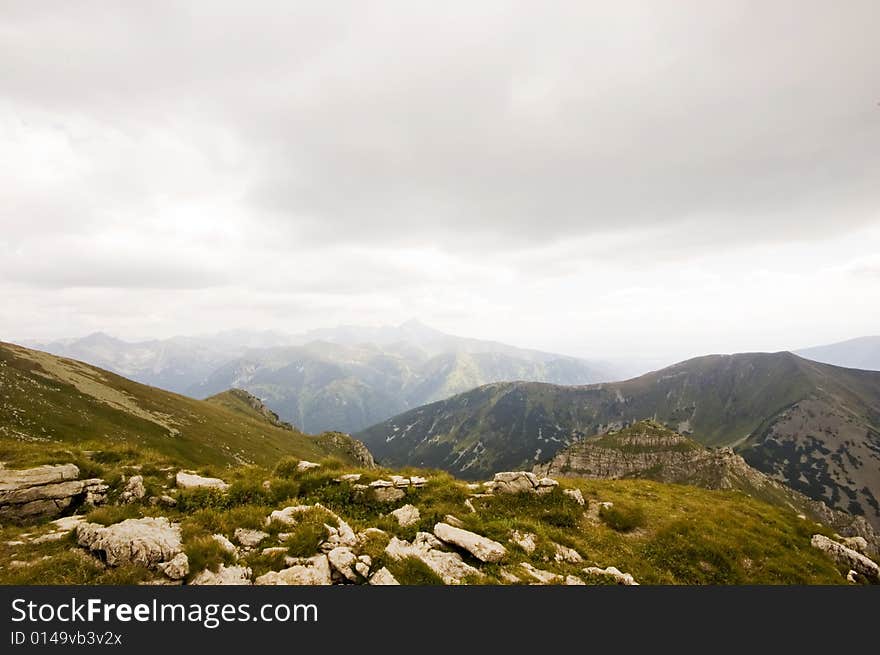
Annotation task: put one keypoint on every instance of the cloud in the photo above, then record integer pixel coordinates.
(481, 165)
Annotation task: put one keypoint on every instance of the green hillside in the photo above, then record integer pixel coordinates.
(48, 402)
(813, 426)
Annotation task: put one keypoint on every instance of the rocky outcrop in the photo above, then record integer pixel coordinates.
(513, 482)
(482, 548)
(407, 515)
(46, 491)
(306, 571)
(224, 575)
(847, 557)
(186, 480)
(448, 566)
(613, 573)
(147, 541)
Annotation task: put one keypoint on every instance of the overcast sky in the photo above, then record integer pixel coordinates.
(602, 179)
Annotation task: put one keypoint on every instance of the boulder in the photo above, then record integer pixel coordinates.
(417, 481)
(249, 538)
(186, 480)
(343, 560)
(177, 568)
(566, 554)
(46, 491)
(305, 571)
(225, 544)
(613, 572)
(573, 580)
(846, 556)
(448, 566)
(289, 515)
(576, 495)
(348, 477)
(341, 535)
(525, 540)
(383, 577)
(407, 515)
(303, 465)
(399, 481)
(546, 485)
(147, 541)
(542, 576)
(225, 575)
(388, 494)
(134, 489)
(513, 482)
(167, 501)
(482, 548)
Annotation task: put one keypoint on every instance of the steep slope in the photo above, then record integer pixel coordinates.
(651, 451)
(863, 353)
(47, 400)
(332, 386)
(813, 426)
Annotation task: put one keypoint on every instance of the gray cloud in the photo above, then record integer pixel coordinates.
(292, 147)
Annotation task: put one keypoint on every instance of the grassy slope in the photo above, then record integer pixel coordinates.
(49, 403)
(661, 533)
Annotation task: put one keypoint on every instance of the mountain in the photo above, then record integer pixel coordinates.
(813, 426)
(341, 379)
(173, 364)
(51, 402)
(863, 353)
(649, 450)
(342, 383)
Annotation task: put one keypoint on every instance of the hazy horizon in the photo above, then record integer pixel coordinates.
(642, 180)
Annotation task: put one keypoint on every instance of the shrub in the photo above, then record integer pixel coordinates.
(205, 553)
(623, 518)
(308, 534)
(286, 467)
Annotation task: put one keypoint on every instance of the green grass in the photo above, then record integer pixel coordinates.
(623, 518)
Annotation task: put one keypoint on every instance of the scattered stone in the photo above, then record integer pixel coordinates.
(417, 481)
(473, 486)
(852, 577)
(482, 548)
(565, 554)
(225, 544)
(543, 577)
(383, 577)
(407, 515)
(68, 523)
(249, 538)
(509, 577)
(381, 484)
(51, 536)
(176, 568)
(573, 580)
(470, 505)
(225, 575)
(449, 566)
(367, 534)
(342, 535)
(546, 485)
(305, 571)
(525, 540)
(514, 482)
(134, 489)
(147, 541)
(399, 481)
(576, 495)
(274, 550)
(621, 578)
(348, 477)
(306, 466)
(362, 569)
(167, 501)
(606, 505)
(343, 560)
(848, 557)
(388, 495)
(288, 515)
(186, 480)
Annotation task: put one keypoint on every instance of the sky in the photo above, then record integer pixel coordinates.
(626, 179)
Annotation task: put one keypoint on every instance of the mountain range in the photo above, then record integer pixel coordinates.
(813, 426)
(343, 379)
(863, 353)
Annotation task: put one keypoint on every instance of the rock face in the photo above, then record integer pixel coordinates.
(480, 547)
(147, 541)
(514, 482)
(225, 575)
(847, 557)
(46, 491)
(448, 566)
(306, 571)
(186, 480)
